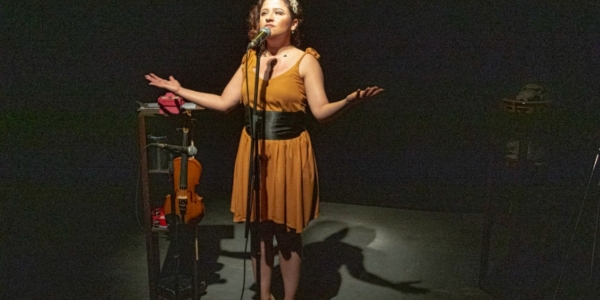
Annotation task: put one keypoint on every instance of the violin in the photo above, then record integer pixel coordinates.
(187, 171)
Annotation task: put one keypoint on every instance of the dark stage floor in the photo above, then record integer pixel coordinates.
(78, 250)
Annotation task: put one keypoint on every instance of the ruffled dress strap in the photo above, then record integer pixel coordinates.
(312, 52)
(248, 54)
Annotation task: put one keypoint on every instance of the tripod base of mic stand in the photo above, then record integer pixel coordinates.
(166, 286)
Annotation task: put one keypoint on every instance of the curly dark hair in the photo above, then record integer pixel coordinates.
(254, 21)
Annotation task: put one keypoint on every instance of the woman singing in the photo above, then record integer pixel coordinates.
(290, 80)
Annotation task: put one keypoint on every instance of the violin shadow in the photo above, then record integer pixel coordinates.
(208, 267)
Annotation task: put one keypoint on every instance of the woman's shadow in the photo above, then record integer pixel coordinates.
(322, 261)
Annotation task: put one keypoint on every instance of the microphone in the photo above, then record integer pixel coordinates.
(262, 35)
(189, 150)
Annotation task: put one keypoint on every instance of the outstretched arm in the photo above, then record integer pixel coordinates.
(321, 108)
(225, 102)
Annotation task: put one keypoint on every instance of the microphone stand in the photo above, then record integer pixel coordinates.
(256, 126)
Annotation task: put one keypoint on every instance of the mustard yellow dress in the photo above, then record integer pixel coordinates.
(289, 182)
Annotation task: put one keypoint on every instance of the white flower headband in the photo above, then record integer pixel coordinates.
(294, 5)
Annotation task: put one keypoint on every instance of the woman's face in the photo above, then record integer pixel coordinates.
(275, 15)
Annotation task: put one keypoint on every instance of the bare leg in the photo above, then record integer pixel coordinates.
(290, 271)
(290, 260)
(266, 268)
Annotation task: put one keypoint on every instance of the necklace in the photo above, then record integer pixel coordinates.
(284, 54)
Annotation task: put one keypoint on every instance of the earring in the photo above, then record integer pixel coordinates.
(292, 31)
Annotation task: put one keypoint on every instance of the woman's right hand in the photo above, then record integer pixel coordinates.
(171, 84)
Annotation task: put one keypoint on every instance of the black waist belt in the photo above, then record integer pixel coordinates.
(277, 125)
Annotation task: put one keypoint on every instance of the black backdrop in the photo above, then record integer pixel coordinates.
(71, 76)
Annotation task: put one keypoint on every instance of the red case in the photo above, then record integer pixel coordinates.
(170, 104)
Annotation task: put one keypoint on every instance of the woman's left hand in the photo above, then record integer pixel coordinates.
(364, 94)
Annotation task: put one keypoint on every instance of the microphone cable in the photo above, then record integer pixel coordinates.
(250, 122)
